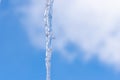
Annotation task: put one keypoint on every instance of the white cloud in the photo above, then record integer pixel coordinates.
(93, 25)
(30, 14)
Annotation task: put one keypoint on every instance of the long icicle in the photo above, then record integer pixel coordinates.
(49, 35)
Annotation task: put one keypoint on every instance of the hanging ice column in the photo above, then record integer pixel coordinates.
(49, 35)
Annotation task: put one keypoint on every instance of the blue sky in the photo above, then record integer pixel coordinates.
(22, 56)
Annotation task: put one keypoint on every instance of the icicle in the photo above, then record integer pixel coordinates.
(49, 35)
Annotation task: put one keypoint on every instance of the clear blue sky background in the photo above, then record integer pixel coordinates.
(21, 61)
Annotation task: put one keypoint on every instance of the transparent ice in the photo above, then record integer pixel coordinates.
(49, 35)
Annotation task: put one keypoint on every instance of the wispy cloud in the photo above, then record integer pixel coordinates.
(93, 25)
(30, 14)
